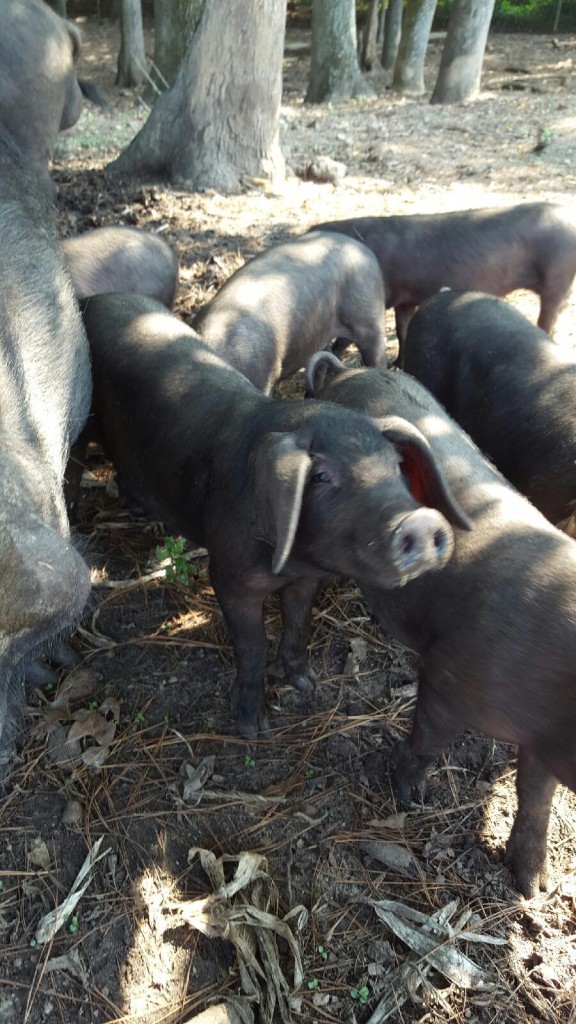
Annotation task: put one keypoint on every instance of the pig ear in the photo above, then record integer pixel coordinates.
(425, 477)
(322, 366)
(281, 471)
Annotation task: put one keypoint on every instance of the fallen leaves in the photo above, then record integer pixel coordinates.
(93, 729)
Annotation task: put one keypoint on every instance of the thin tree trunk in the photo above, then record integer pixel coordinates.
(409, 68)
(369, 49)
(175, 22)
(334, 71)
(461, 64)
(392, 33)
(131, 70)
(219, 121)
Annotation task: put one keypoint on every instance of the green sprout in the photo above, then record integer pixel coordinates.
(322, 952)
(73, 926)
(360, 994)
(314, 984)
(179, 569)
(249, 761)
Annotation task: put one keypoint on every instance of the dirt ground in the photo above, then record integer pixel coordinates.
(315, 927)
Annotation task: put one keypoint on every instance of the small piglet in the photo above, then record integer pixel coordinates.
(508, 385)
(495, 630)
(281, 493)
(532, 246)
(293, 300)
(122, 259)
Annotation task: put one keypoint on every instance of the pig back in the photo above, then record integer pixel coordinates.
(169, 410)
(507, 384)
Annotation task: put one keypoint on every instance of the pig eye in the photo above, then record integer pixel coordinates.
(321, 477)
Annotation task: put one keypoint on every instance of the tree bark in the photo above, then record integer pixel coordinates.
(219, 121)
(409, 67)
(392, 33)
(131, 70)
(334, 72)
(461, 64)
(175, 22)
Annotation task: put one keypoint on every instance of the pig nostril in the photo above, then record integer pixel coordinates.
(439, 540)
(407, 544)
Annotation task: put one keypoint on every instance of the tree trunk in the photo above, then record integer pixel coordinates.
(219, 121)
(131, 69)
(369, 50)
(461, 64)
(334, 72)
(175, 22)
(409, 67)
(392, 33)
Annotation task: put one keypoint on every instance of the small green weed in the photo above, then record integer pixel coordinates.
(249, 761)
(360, 994)
(179, 569)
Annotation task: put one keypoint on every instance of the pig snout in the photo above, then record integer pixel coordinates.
(421, 540)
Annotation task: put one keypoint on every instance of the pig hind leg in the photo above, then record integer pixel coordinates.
(526, 851)
(297, 600)
(436, 725)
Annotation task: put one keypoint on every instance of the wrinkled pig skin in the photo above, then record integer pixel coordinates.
(495, 630)
(45, 397)
(510, 387)
(122, 259)
(293, 300)
(39, 92)
(532, 245)
(281, 493)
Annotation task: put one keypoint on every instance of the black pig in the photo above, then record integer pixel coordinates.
(293, 300)
(532, 246)
(508, 385)
(281, 493)
(122, 259)
(44, 400)
(495, 630)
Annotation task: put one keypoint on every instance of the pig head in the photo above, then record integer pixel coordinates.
(39, 92)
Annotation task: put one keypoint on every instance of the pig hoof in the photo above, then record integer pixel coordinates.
(407, 776)
(530, 874)
(303, 681)
(252, 726)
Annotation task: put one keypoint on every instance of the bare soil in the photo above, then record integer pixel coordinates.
(313, 803)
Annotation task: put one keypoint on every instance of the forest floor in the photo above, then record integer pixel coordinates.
(311, 805)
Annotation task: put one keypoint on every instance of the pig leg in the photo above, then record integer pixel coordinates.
(436, 725)
(552, 298)
(243, 612)
(292, 661)
(526, 851)
(403, 314)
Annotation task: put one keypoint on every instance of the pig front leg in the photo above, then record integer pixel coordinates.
(297, 601)
(435, 726)
(526, 850)
(243, 613)
(403, 314)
